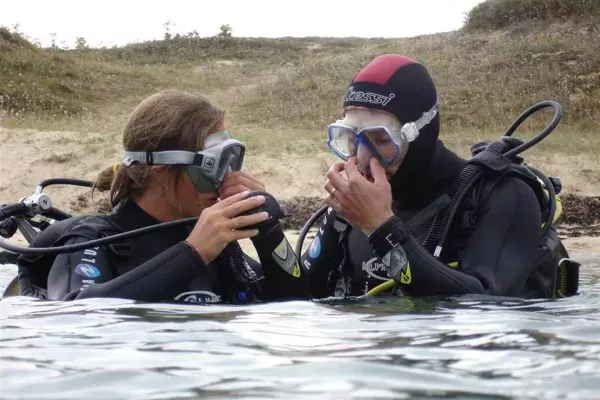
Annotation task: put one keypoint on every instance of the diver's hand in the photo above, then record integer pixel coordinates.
(237, 182)
(366, 205)
(220, 224)
(270, 206)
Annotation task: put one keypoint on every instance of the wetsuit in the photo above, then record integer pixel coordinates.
(159, 266)
(496, 242)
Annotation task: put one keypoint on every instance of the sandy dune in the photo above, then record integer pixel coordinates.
(29, 156)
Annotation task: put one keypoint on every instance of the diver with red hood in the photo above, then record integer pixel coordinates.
(396, 176)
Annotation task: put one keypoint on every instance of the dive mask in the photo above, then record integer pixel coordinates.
(385, 143)
(206, 168)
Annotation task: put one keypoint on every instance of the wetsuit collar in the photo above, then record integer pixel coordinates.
(130, 216)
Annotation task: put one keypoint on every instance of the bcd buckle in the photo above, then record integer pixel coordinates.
(120, 249)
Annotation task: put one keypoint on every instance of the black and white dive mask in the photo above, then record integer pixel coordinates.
(206, 168)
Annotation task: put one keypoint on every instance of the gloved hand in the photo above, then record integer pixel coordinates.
(271, 206)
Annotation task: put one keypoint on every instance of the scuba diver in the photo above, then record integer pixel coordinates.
(179, 162)
(405, 209)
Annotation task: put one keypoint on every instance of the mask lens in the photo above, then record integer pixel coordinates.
(231, 160)
(341, 141)
(209, 176)
(382, 144)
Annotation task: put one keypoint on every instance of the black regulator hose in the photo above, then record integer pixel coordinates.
(11, 210)
(558, 113)
(96, 242)
(441, 224)
(306, 228)
(552, 198)
(63, 181)
(244, 274)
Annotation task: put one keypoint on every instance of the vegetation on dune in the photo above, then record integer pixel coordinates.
(194, 49)
(52, 83)
(35, 80)
(484, 79)
(494, 14)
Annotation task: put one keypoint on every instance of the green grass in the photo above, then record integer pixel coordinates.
(281, 93)
(34, 80)
(494, 14)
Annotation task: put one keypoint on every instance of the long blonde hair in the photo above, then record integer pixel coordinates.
(167, 120)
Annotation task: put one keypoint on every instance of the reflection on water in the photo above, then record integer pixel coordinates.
(468, 347)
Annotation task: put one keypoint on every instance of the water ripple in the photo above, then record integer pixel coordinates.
(469, 347)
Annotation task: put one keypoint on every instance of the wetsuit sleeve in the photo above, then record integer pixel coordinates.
(324, 254)
(88, 273)
(497, 259)
(285, 278)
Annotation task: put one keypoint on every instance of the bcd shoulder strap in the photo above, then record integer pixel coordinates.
(33, 270)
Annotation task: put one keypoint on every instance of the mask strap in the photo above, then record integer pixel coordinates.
(174, 156)
(159, 157)
(411, 130)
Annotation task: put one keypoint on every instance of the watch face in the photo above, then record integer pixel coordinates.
(396, 261)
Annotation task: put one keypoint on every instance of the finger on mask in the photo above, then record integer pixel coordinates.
(352, 169)
(337, 181)
(337, 167)
(252, 178)
(377, 171)
(245, 176)
(225, 192)
(239, 180)
(329, 187)
(224, 202)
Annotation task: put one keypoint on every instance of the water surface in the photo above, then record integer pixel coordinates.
(462, 348)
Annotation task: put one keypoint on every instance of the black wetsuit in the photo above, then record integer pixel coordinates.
(159, 266)
(495, 241)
